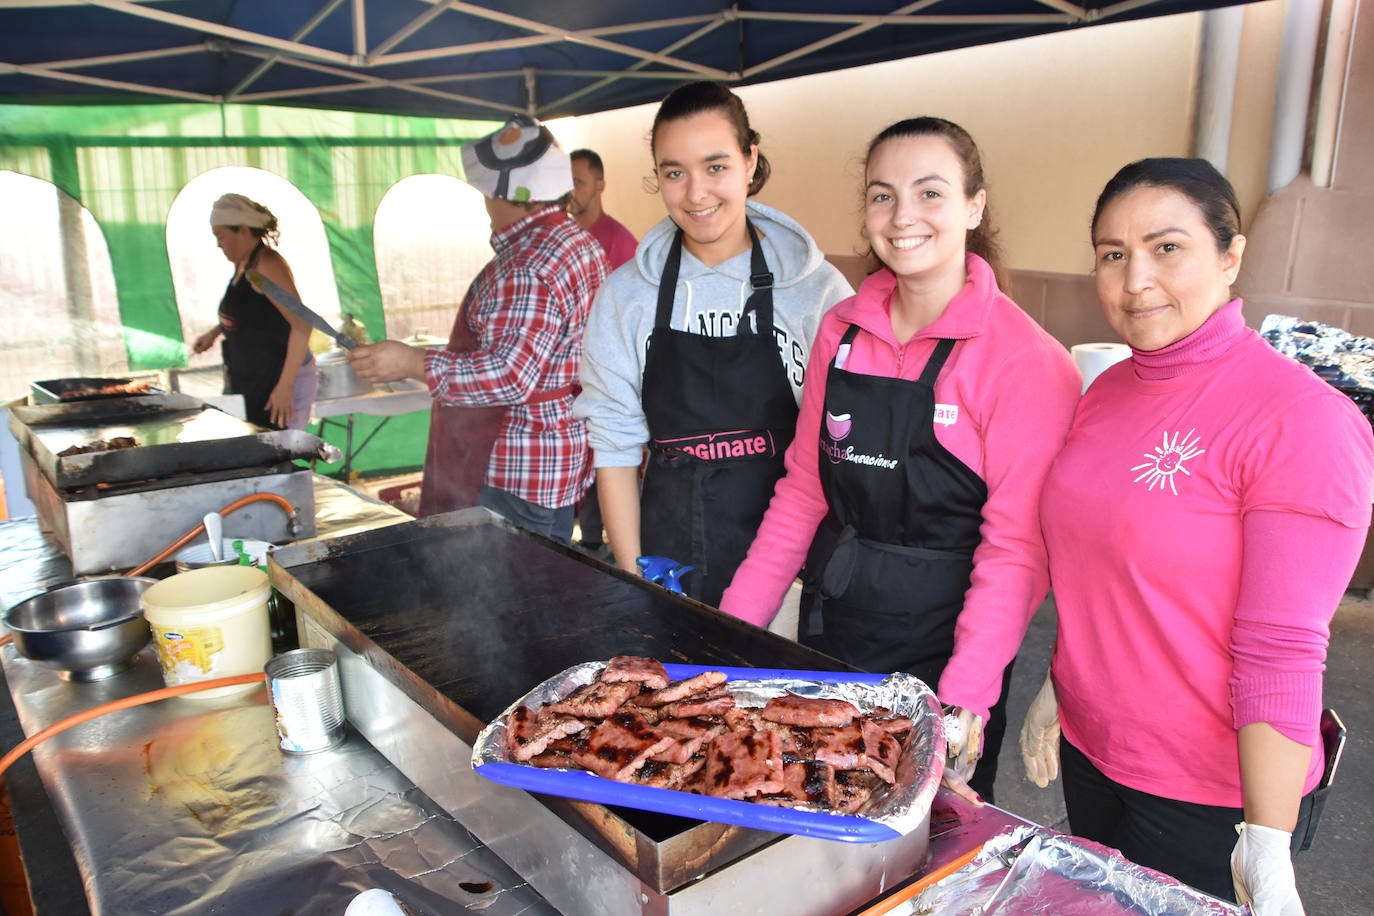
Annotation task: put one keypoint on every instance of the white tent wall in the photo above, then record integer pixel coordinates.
(1055, 115)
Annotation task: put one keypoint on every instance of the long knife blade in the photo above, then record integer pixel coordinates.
(299, 308)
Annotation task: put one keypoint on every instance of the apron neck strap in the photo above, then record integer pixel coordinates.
(760, 301)
(937, 361)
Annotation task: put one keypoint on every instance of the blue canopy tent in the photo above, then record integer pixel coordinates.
(458, 59)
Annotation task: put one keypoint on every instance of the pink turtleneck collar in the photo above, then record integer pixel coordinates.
(1221, 331)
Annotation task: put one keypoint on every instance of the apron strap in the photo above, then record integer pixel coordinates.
(760, 301)
(937, 361)
(667, 283)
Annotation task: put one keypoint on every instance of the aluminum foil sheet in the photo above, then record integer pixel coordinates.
(1032, 870)
(1337, 356)
(902, 807)
(187, 806)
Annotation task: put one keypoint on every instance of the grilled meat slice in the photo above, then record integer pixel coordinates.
(680, 690)
(596, 700)
(619, 746)
(809, 711)
(805, 782)
(744, 764)
(698, 706)
(842, 748)
(553, 760)
(531, 732)
(881, 751)
(688, 737)
(853, 788)
(647, 671)
(663, 775)
(895, 725)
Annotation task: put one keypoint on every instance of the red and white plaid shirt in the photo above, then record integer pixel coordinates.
(527, 310)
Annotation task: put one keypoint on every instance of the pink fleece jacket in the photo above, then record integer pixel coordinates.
(1202, 521)
(1006, 395)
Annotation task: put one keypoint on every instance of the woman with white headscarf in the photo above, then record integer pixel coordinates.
(266, 357)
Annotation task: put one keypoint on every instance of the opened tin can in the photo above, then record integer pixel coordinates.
(304, 684)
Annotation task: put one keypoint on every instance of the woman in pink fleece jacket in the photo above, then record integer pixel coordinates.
(1202, 522)
(943, 404)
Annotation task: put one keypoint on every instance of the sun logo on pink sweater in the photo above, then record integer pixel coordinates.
(1167, 460)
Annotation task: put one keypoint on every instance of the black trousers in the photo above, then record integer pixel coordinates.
(1191, 842)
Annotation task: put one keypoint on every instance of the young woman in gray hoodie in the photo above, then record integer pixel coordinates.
(697, 349)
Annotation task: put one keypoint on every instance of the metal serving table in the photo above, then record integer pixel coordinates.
(386, 400)
(186, 805)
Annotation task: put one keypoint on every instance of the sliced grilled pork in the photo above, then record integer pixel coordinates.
(805, 782)
(809, 711)
(842, 748)
(679, 690)
(881, 751)
(647, 671)
(663, 775)
(744, 764)
(531, 732)
(595, 700)
(619, 746)
(698, 706)
(853, 788)
(688, 737)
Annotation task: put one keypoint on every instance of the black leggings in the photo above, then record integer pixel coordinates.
(1191, 842)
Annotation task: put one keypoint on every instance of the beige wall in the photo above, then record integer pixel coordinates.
(1055, 116)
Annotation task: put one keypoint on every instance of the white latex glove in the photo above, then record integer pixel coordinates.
(1040, 736)
(964, 745)
(1262, 871)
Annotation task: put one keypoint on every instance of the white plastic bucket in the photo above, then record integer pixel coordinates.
(210, 623)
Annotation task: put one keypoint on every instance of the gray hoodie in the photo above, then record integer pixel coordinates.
(708, 301)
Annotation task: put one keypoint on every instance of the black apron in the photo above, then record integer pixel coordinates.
(721, 413)
(887, 573)
(254, 344)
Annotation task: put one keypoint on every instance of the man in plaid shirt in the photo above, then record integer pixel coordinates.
(502, 433)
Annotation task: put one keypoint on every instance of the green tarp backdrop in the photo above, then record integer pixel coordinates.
(126, 165)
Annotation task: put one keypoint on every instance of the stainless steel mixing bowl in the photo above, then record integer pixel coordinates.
(86, 630)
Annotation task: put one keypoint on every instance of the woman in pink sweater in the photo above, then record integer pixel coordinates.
(1202, 522)
(943, 404)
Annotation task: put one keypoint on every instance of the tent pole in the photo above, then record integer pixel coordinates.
(1301, 26)
(1216, 90)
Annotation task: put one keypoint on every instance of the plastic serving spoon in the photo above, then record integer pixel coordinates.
(214, 531)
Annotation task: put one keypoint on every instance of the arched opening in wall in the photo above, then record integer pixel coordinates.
(200, 272)
(57, 290)
(432, 237)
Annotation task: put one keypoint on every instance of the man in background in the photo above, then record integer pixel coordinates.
(589, 181)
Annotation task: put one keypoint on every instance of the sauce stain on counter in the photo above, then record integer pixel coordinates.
(199, 765)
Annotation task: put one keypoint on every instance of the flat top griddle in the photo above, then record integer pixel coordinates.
(484, 613)
(176, 434)
(61, 390)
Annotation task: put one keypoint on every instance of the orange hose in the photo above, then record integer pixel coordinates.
(6, 639)
(911, 890)
(138, 699)
(186, 538)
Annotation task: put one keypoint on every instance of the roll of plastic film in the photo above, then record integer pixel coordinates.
(1092, 359)
(304, 684)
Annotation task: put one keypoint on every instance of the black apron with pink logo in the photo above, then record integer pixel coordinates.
(721, 413)
(888, 570)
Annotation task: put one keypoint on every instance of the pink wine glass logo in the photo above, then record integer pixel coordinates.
(837, 427)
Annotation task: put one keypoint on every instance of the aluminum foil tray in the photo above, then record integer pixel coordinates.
(892, 813)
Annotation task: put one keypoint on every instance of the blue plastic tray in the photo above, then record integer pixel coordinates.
(586, 786)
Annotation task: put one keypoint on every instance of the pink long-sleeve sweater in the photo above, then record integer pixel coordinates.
(1202, 521)
(1005, 399)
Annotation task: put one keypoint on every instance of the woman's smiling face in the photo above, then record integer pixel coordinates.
(1158, 272)
(916, 215)
(704, 180)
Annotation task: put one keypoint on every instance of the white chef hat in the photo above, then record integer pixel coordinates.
(521, 161)
(237, 210)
